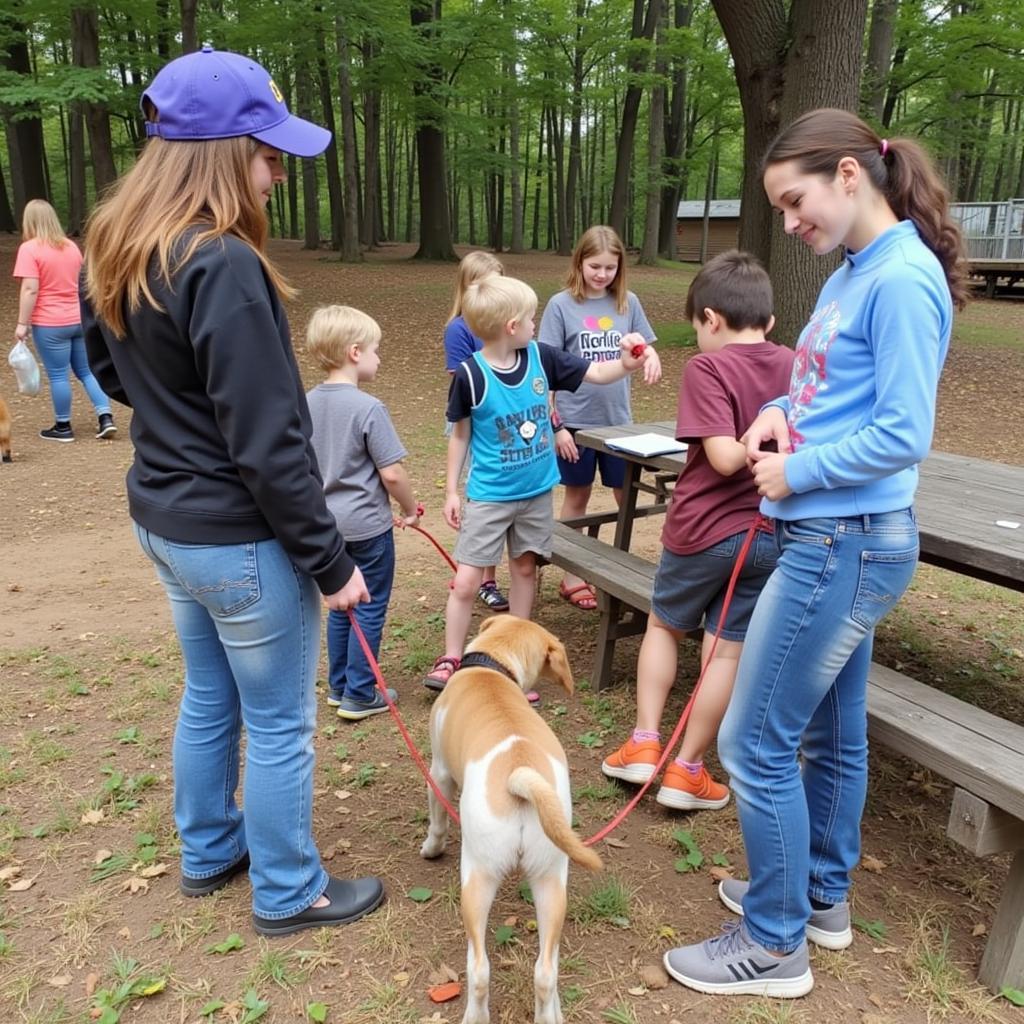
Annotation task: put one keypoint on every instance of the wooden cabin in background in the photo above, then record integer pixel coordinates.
(723, 228)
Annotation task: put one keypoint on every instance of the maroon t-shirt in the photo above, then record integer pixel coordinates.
(720, 396)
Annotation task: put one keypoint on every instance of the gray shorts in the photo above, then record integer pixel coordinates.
(689, 590)
(528, 525)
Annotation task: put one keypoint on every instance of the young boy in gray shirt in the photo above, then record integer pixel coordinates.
(360, 459)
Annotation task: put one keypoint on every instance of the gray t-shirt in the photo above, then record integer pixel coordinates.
(353, 438)
(592, 329)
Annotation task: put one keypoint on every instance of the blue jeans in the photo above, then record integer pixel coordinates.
(349, 673)
(62, 349)
(801, 689)
(249, 627)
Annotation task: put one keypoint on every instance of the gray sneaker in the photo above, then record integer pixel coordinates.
(829, 929)
(354, 710)
(733, 964)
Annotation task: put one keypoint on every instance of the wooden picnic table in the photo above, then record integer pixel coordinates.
(959, 502)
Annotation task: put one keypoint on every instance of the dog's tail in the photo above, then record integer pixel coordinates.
(528, 784)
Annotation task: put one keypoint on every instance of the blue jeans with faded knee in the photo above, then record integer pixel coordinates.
(62, 351)
(801, 690)
(249, 627)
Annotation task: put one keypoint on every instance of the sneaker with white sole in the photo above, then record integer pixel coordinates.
(355, 710)
(634, 761)
(683, 791)
(829, 929)
(733, 964)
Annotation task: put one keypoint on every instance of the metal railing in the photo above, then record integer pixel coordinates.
(992, 231)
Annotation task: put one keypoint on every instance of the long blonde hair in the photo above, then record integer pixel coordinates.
(600, 238)
(473, 266)
(172, 187)
(39, 221)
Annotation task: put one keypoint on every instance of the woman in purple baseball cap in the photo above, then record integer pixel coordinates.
(183, 322)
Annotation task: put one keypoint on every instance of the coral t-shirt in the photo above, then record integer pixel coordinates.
(57, 271)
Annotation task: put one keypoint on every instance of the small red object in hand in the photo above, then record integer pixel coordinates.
(420, 510)
(637, 351)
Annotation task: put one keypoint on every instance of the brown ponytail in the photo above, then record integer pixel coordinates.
(904, 174)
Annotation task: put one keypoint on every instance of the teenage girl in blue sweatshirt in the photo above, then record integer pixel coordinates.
(856, 422)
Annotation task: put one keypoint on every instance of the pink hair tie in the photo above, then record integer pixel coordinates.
(884, 148)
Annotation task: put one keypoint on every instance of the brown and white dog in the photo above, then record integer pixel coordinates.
(5, 432)
(515, 805)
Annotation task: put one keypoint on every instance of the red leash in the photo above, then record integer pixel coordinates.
(759, 524)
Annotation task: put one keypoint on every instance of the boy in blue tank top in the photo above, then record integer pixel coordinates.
(498, 408)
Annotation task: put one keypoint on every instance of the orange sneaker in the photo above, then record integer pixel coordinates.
(633, 762)
(684, 792)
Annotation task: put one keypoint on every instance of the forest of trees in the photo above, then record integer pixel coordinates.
(514, 124)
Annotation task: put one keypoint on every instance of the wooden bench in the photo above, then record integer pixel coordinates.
(981, 754)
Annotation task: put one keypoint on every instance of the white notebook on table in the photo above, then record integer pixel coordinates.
(646, 444)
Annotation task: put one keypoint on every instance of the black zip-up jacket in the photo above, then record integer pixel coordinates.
(220, 426)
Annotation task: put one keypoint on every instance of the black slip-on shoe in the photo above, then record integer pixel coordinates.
(204, 886)
(350, 900)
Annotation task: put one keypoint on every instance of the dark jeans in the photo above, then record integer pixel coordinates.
(349, 673)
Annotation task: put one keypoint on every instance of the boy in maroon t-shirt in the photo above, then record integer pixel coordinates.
(723, 388)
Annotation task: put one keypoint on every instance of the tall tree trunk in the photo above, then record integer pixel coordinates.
(310, 190)
(350, 251)
(85, 49)
(675, 138)
(24, 127)
(7, 221)
(880, 43)
(323, 75)
(576, 118)
(892, 91)
(556, 151)
(435, 228)
(535, 231)
(189, 39)
(371, 151)
(778, 62)
(511, 104)
(643, 29)
(655, 150)
(77, 203)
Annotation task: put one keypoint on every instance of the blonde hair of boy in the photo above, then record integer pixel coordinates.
(472, 267)
(39, 221)
(492, 302)
(333, 330)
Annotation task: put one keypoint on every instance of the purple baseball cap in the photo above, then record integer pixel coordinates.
(214, 94)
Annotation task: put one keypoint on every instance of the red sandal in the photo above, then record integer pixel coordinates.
(581, 596)
(444, 668)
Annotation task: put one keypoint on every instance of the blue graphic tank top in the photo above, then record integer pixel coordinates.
(511, 440)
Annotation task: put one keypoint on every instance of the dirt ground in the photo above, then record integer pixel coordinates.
(92, 917)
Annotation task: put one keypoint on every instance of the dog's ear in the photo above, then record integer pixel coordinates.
(556, 666)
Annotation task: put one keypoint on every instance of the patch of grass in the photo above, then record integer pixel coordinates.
(277, 967)
(599, 792)
(608, 900)
(968, 331)
(766, 1011)
(366, 775)
(620, 1013)
(676, 334)
(386, 1005)
(934, 980)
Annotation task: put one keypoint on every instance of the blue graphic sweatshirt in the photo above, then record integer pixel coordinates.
(861, 403)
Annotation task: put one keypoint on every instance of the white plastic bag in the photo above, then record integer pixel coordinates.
(25, 367)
